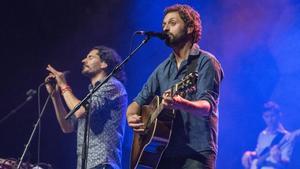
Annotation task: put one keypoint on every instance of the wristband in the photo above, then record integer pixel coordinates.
(65, 89)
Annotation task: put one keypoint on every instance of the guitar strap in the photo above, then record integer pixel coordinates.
(275, 141)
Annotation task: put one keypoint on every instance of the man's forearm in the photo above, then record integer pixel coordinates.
(198, 108)
(72, 101)
(60, 112)
(133, 108)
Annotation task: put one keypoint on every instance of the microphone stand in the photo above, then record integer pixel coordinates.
(84, 100)
(30, 93)
(33, 132)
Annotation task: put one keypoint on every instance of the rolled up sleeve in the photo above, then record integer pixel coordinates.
(208, 85)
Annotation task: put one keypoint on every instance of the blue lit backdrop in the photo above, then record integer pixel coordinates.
(257, 43)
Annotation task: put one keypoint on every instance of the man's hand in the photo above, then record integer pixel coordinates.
(59, 76)
(136, 123)
(175, 102)
(248, 158)
(51, 88)
(133, 119)
(275, 153)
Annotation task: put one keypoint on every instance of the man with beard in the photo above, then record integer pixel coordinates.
(106, 109)
(193, 142)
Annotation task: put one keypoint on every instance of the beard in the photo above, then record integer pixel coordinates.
(86, 71)
(177, 40)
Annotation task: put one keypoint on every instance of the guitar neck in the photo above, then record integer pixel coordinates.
(282, 144)
(185, 86)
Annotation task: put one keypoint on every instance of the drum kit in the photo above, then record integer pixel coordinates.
(13, 164)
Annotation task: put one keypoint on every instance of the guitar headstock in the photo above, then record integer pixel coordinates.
(187, 85)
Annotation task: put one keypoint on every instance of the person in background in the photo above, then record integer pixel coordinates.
(274, 145)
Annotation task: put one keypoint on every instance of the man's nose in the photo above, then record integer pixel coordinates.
(166, 28)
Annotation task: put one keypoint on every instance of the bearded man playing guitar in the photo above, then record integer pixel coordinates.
(193, 119)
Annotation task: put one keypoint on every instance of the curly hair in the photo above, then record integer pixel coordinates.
(190, 17)
(111, 58)
(272, 106)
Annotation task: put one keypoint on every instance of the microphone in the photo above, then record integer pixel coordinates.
(30, 93)
(52, 79)
(160, 35)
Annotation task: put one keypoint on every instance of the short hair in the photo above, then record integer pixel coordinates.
(272, 106)
(190, 17)
(111, 58)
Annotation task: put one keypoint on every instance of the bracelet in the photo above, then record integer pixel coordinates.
(65, 89)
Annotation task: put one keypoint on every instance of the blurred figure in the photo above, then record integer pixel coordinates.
(274, 145)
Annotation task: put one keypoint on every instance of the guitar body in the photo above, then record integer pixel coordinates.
(147, 148)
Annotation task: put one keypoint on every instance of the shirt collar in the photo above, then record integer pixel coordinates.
(195, 51)
(90, 87)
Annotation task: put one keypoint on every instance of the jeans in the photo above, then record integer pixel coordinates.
(203, 160)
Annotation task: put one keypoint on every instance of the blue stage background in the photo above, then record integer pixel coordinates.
(257, 43)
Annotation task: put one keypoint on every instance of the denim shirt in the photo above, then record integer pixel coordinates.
(189, 132)
(107, 121)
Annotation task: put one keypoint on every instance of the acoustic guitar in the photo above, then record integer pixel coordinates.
(148, 147)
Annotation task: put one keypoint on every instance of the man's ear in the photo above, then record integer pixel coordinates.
(190, 29)
(103, 65)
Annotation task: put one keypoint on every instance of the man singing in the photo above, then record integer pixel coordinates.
(106, 109)
(193, 143)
